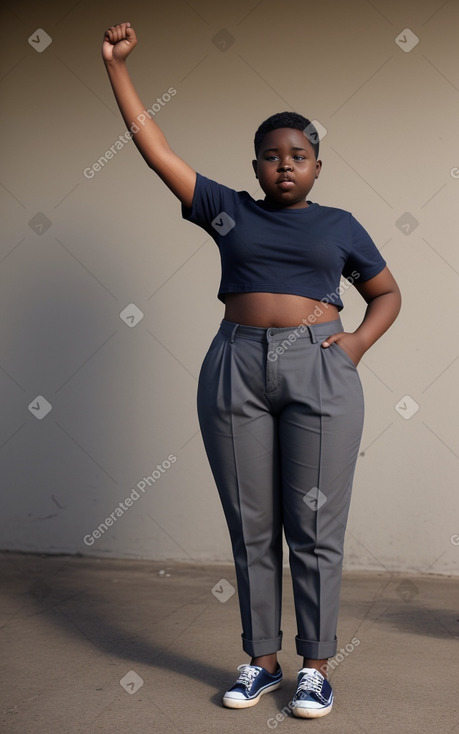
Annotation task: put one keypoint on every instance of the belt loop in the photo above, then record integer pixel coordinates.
(233, 333)
(312, 334)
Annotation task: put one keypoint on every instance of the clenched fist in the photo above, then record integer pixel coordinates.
(119, 41)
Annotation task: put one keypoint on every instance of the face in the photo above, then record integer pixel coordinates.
(286, 168)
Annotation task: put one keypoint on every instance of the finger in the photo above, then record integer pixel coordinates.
(119, 32)
(331, 339)
(111, 34)
(122, 29)
(130, 34)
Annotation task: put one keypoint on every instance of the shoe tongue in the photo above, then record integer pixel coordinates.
(249, 670)
(310, 671)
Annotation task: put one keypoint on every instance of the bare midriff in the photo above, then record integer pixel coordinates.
(276, 310)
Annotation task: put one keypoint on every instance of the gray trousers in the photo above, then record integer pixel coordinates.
(281, 419)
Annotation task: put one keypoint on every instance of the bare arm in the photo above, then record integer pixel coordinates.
(180, 178)
(383, 297)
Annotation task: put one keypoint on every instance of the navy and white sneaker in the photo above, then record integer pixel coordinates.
(314, 695)
(252, 683)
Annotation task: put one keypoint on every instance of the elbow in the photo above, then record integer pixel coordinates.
(397, 296)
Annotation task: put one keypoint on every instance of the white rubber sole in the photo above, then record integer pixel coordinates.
(240, 703)
(306, 713)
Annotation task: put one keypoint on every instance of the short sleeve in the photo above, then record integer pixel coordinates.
(210, 199)
(364, 260)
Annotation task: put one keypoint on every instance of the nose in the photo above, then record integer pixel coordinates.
(284, 165)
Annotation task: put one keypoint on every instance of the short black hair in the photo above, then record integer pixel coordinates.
(288, 119)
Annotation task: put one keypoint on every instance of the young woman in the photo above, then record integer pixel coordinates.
(280, 402)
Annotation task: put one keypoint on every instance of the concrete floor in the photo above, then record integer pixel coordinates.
(72, 628)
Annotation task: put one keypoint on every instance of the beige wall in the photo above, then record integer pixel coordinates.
(123, 398)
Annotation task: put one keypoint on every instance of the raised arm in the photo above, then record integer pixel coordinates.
(180, 178)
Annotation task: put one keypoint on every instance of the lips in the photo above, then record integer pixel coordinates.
(285, 183)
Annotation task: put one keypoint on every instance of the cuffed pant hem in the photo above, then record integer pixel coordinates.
(255, 648)
(315, 650)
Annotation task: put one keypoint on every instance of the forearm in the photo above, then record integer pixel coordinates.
(147, 135)
(383, 298)
(380, 314)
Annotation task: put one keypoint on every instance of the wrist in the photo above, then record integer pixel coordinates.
(114, 64)
(362, 340)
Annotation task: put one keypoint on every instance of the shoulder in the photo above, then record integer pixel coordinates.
(339, 216)
(208, 184)
(210, 199)
(333, 215)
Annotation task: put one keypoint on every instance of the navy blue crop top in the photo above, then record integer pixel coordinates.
(299, 251)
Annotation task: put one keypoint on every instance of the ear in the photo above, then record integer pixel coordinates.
(255, 168)
(318, 168)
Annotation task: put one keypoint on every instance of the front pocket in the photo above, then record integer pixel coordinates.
(345, 354)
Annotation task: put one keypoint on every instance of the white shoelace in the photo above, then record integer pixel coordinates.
(248, 675)
(311, 682)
